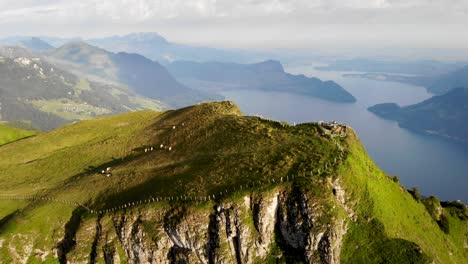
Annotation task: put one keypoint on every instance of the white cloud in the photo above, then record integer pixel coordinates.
(137, 10)
(292, 23)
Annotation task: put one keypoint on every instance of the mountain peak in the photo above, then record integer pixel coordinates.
(36, 44)
(78, 43)
(445, 83)
(269, 66)
(75, 48)
(145, 36)
(14, 52)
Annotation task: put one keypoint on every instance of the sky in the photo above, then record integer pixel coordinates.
(267, 24)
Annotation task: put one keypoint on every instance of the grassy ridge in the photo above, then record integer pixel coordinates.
(214, 148)
(243, 150)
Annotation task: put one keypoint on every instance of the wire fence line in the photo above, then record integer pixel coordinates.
(151, 199)
(39, 198)
(177, 198)
(183, 198)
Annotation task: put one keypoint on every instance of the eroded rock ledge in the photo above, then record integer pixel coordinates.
(282, 223)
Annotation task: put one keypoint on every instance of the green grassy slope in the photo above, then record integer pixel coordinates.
(213, 149)
(10, 134)
(244, 149)
(393, 213)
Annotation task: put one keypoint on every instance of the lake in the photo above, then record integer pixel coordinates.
(435, 165)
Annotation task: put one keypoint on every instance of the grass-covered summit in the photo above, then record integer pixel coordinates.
(205, 184)
(213, 147)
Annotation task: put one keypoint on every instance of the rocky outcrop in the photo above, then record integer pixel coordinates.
(68, 241)
(306, 234)
(282, 224)
(341, 198)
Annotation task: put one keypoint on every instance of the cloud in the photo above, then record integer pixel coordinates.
(137, 10)
(247, 23)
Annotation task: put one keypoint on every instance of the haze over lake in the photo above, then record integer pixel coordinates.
(437, 166)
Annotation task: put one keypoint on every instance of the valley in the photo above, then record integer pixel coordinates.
(36, 92)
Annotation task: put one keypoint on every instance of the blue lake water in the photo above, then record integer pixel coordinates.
(436, 166)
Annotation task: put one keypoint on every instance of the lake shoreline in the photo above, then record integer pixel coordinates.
(435, 165)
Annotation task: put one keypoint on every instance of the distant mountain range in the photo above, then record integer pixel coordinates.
(267, 76)
(13, 52)
(36, 44)
(446, 82)
(142, 75)
(49, 41)
(444, 115)
(422, 67)
(30, 43)
(151, 79)
(149, 44)
(437, 84)
(40, 95)
(120, 81)
(123, 81)
(154, 46)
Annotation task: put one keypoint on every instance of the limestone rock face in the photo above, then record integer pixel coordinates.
(276, 224)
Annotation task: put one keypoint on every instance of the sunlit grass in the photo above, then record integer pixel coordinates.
(214, 149)
(10, 134)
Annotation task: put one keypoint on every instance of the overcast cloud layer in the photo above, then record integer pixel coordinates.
(250, 23)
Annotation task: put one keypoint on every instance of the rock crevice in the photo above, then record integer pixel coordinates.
(282, 224)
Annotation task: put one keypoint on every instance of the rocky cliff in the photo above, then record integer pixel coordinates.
(279, 223)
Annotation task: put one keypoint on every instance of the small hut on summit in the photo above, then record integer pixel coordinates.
(333, 128)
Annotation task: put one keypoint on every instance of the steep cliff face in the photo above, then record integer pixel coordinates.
(282, 223)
